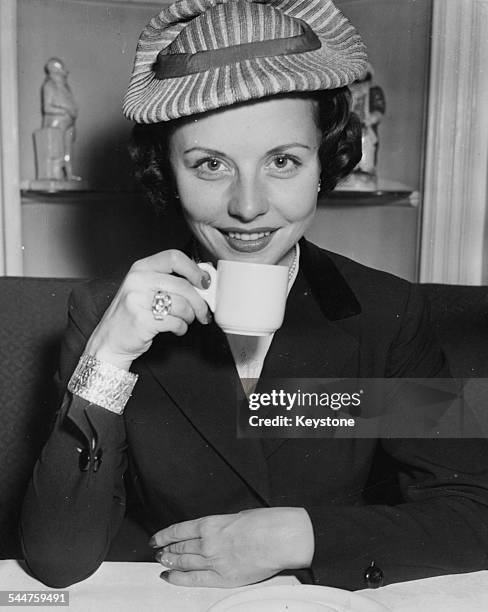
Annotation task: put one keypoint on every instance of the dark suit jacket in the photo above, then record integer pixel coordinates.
(177, 442)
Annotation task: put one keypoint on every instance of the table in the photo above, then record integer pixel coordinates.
(120, 587)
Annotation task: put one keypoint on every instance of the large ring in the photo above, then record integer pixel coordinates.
(161, 305)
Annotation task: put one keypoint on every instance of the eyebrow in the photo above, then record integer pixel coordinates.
(273, 151)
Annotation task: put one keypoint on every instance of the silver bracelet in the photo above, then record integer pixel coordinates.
(102, 383)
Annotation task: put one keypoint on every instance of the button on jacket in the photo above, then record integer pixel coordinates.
(176, 442)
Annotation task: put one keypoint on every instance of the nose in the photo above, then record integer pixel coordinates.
(247, 199)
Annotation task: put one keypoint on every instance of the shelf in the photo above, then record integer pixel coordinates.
(335, 199)
(30, 196)
(370, 198)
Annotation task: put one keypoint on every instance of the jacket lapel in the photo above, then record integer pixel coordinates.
(309, 345)
(319, 337)
(198, 372)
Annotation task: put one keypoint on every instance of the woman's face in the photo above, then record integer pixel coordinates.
(247, 177)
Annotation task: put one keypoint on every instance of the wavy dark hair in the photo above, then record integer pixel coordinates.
(339, 153)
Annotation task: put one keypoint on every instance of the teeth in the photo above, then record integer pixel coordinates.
(255, 236)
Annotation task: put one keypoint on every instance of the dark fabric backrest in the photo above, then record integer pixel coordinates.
(32, 320)
(460, 320)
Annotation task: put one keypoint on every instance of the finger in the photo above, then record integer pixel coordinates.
(193, 547)
(172, 324)
(180, 307)
(176, 321)
(185, 301)
(180, 286)
(140, 300)
(144, 283)
(173, 261)
(185, 563)
(187, 530)
(203, 578)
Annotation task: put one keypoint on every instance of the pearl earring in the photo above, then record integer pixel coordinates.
(319, 187)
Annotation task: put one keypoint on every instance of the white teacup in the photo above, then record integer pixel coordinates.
(246, 298)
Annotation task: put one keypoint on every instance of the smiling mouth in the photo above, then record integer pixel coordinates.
(248, 242)
(244, 236)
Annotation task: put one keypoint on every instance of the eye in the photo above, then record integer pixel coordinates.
(210, 168)
(212, 164)
(281, 161)
(284, 165)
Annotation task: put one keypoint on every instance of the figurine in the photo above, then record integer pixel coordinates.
(54, 141)
(368, 102)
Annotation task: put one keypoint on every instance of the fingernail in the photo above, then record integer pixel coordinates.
(206, 280)
(164, 575)
(152, 543)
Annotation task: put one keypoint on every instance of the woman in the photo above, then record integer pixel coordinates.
(243, 119)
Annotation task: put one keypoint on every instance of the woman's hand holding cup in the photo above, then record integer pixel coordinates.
(129, 325)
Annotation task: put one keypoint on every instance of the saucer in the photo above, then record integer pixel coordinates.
(297, 598)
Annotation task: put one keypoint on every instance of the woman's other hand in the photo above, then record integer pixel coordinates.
(232, 550)
(128, 326)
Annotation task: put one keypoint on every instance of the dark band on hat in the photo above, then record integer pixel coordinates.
(173, 65)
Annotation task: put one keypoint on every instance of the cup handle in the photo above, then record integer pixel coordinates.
(210, 294)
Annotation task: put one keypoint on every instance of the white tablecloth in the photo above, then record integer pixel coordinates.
(128, 587)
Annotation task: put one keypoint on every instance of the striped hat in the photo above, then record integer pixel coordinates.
(199, 55)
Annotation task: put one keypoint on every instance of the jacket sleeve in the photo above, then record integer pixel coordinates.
(440, 525)
(75, 500)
